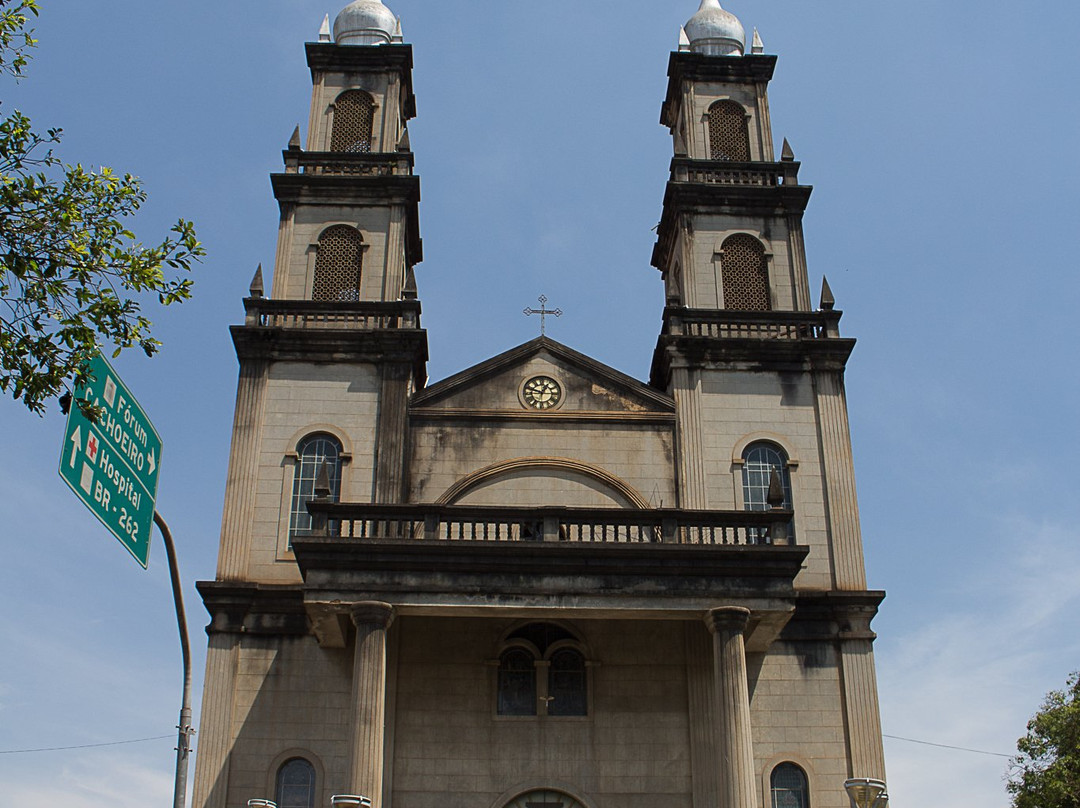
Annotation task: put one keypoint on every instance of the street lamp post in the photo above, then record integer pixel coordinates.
(867, 793)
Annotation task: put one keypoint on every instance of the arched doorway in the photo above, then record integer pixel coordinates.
(544, 799)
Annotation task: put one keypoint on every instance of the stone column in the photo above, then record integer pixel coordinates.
(372, 619)
(735, 747)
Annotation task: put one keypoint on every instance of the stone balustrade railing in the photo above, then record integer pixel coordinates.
(773, 325)
(344, 315)
(549, 524)
(730, 172)
(357, 164)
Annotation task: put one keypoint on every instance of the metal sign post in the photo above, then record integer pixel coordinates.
(112, 466)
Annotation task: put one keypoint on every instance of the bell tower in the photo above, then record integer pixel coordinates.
(755, 370)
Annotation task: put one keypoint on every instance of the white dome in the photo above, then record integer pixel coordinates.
(715, 32)
(365, 22)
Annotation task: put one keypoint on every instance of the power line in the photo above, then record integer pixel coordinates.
(946, 746)
(82, 746)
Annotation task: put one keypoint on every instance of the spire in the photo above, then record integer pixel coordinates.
(409, 292)
(324, 30)
(827, 300)
(322, 482)
(404, 145)
(758, 47)
(684, 40)
(786, 154)
(294, 141)
(397, 37)
(256, 288)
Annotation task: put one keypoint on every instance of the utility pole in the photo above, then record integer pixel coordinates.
(183, 743)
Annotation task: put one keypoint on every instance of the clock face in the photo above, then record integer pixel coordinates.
(542, 393)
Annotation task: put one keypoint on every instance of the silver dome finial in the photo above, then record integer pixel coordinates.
(715, 32)
(365, 22)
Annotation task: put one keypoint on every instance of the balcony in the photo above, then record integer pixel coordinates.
(333, 331)
(322, 315)
(353, 164)
(759, 325)
(455, 523)
(585, 562)
(734, 173)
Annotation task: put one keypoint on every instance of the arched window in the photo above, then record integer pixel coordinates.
(745, 274)
(312, 453)
(566, 683)
(729, 137)
(338, 264)
(759, 460)
(563, 692)
(789, 788)
(517, 682)
(295, 784)
(354, 115)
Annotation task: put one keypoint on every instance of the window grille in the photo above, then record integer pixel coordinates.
(729, 136)
(312, 452)
(789, 788)
(296, 784)
(759, 460)
(354, 115)
(745, 274)
(338, 265)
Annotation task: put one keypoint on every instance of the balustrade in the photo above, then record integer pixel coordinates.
(547, 524)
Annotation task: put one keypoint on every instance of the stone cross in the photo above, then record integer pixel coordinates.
(543, 311)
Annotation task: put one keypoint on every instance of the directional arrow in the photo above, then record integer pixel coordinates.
(152, 462)
(76, 438)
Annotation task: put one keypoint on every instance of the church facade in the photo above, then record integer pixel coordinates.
(539, 582)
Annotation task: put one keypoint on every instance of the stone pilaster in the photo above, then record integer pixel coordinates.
(391, 435)
(849, 572)
(735, 743)
(372, 619)
(800, 280)
(242, 481)
(214, 740)
(862, 714)
(686, 389)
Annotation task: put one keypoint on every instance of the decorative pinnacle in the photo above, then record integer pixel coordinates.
(786, 154)
(294, 140)
(324, 30)
(828, 302)
(684, 40)
(256, 288)
(758, 46)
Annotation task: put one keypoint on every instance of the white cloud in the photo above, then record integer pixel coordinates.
(106, 780)
(973, 676)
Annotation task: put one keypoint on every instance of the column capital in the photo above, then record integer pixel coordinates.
(727, 618)
(372, 613)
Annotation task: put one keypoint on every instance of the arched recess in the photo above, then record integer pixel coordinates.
(620, 492)
(559, 794)
(729, 131)
(304, 754)
(354, 121)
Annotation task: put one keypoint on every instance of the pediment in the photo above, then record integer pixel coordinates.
(502, 385)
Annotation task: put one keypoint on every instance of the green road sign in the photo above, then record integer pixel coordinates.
(112, 466)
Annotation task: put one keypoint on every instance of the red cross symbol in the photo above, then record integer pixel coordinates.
(91, 447)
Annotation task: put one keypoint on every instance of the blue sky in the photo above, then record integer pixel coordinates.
(941, 141)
